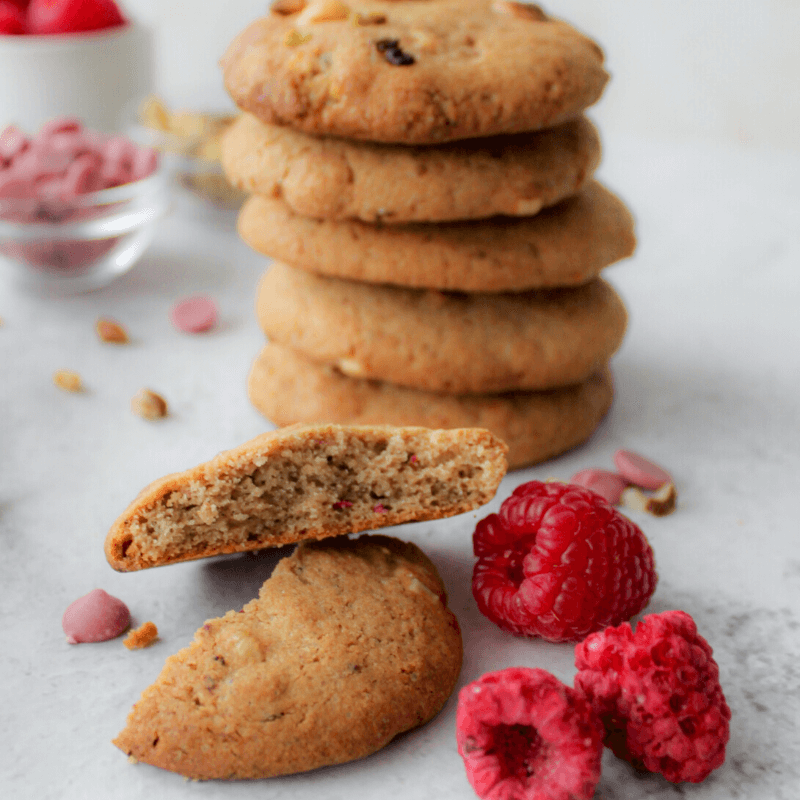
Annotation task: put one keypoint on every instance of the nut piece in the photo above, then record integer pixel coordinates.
(140, 637)
(149, 405)
(293, 38)
(663, 502)
(520, 10)
(67, 380)
(287, 7)
(110, 330)
(659, 504)
(324, 11)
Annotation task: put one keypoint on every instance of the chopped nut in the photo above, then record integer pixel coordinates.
(67, 380)
(659, 504)
(140, 637)
(520, 10)
(154, 114)
(110, 330)
(663, 502)
(324, 11)
(149, 405)
(369, 19)
(287, 7)
(293, 38)
(633, 497)
(350, 366)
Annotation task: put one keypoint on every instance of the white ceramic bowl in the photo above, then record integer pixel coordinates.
(94, 76)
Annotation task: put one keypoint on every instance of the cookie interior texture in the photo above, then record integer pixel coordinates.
(307, 482)
(349, 643)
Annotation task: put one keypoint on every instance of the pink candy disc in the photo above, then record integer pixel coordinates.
(12, 142)
(95, 617)
(194, 315)
(59, 125)
(639, 471)
(607, 484)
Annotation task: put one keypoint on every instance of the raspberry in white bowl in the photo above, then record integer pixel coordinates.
(83, 58)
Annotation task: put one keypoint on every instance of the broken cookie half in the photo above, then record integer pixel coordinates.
(349, 643)
(307, 482)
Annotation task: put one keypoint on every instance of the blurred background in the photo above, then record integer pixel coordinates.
(726, 70)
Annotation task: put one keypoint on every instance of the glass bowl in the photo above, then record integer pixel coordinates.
(80, 244)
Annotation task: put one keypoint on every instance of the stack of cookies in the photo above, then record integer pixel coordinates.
(420, 172)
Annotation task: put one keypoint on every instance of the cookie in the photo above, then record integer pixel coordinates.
(306, 482)
(349, 643)
(412, 72)
(454, 343)
(565, 245)
(286, 388)
(339, 179)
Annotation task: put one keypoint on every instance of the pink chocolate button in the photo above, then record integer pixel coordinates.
(12, 142)
(640, 471)
(59, 125)
(194, 315)
(95, 617)
(608, 485)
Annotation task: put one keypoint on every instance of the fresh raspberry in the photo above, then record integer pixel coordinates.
(657, 693)
(559, 562)
(12, 19)
(72, 16)
(524, 735)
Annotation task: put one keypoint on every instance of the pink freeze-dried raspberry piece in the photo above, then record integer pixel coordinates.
(524, 735)
(658, 695)
(95, 617)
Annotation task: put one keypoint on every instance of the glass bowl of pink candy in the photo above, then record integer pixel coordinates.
(78, 208)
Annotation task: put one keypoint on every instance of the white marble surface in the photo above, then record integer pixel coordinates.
(708, 383)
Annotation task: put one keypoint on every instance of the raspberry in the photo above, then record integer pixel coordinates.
(12, 20)
(72, 16)
(657, 693)
(524, 735)
(559, 562)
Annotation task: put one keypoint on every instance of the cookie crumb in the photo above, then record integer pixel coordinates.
(67, 380)
(109, 330)
(140, 637)
(149, 405)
